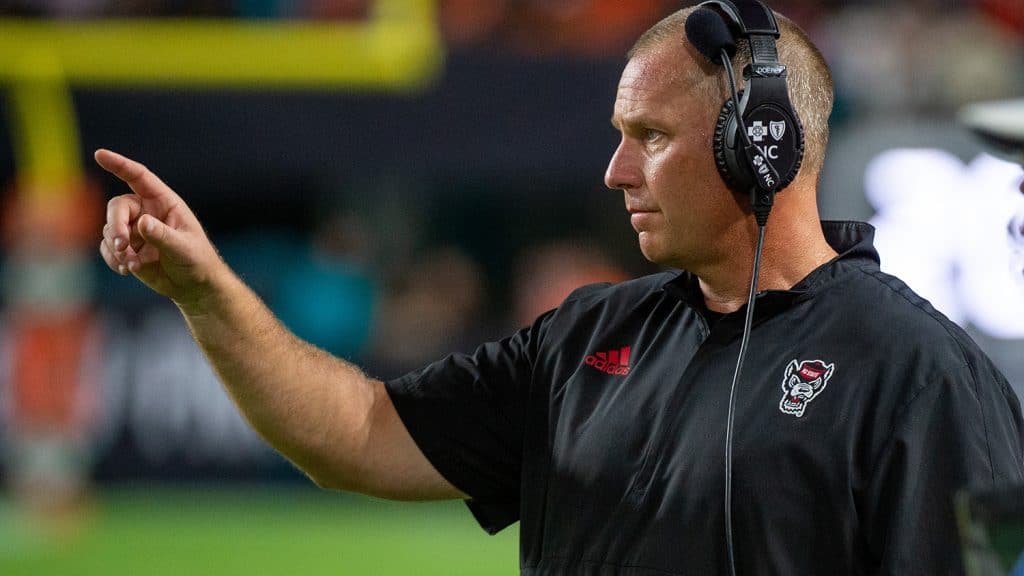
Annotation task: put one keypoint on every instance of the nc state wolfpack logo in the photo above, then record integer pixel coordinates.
(802, 383)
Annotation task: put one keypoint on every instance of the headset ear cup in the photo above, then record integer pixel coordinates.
(725, 158)
(734, 169)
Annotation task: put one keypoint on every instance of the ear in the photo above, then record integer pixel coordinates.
(791, 368)
(828, 372)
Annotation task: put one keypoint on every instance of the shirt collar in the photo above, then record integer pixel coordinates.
(853, 241)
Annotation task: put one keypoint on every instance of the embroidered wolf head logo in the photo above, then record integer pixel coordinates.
(803, 382)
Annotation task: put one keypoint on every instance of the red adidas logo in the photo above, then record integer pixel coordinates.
(614, 362)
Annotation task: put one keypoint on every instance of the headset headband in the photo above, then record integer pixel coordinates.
(749, 16)
(755, 22)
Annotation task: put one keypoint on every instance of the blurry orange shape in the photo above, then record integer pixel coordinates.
(471, 21)
(49, 240)
(547, 274)
(51, 387)
(1008, 12)
(53, 224)
(586, 27)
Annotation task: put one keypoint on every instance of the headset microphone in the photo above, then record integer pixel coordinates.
(709, 34)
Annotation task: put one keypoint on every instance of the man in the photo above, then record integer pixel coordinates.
(601, 427)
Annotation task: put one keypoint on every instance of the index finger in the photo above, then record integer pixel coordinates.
(135, 175)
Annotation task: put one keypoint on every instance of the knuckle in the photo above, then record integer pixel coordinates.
(115, 204)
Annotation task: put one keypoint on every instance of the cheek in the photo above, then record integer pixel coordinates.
(677, 184)
(686, 160)
(667, 173)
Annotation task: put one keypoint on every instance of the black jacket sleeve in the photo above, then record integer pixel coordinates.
(465, 413)
(958, 430)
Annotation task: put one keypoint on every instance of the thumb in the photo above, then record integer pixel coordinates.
(165, 238)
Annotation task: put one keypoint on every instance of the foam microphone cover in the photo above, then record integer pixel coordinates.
(709, 34)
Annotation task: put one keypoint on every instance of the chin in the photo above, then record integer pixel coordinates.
(660, 256)
(652, 251)
(646, 247)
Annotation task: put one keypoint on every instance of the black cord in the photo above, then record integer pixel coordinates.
(761, 210)
(748, 321)
(727, 62)
(760, 200)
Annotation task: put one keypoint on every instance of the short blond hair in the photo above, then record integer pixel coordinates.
(811, 88)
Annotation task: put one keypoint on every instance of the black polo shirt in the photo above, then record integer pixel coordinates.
(601, 427)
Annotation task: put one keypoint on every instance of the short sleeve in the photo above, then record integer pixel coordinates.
(466, 414)
(962, 430)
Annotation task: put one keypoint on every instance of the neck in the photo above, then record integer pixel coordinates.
(794, 246)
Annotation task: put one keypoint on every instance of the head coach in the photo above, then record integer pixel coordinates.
(773, 405)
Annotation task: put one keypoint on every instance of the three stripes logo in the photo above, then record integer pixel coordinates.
(614, 362)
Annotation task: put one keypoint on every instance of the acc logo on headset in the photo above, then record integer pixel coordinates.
(803, 382)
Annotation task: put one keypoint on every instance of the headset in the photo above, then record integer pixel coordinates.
(759, 149)
(758, 145)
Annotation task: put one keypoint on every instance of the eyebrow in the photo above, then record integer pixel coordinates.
(639, 119)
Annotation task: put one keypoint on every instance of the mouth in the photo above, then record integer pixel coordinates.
(640, 219)
(794, 402)
(638, 209)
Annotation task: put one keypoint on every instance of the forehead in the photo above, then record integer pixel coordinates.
(659, 80)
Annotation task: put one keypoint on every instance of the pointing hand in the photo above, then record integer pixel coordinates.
(152, 234)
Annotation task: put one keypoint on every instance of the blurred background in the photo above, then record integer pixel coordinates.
(398, 179)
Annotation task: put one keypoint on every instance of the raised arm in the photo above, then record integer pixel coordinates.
(322, 413)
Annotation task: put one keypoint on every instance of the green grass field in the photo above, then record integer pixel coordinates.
(253, 531)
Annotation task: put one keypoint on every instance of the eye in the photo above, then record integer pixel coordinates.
(652, 135)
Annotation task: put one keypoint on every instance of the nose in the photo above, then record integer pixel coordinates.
(623, 171)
